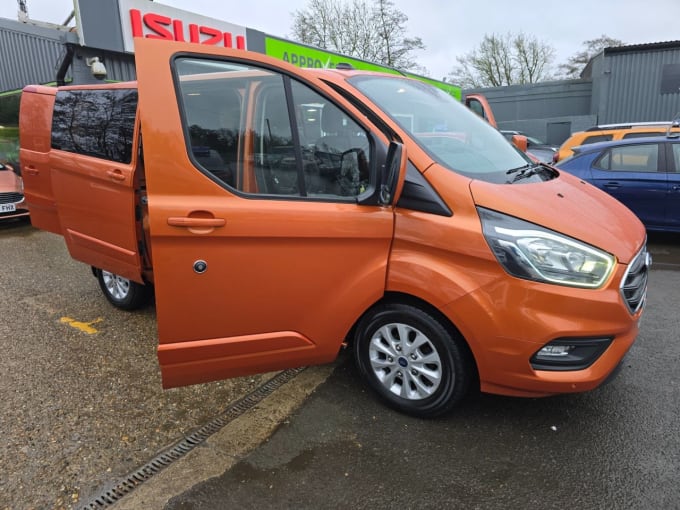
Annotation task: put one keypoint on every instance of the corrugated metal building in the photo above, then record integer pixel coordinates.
(34, 54)
(29, 54)
(635, 83)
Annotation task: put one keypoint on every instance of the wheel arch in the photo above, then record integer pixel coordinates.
(409, 299)
(137, 295)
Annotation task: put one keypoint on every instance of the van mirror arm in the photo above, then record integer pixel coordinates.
(389, 172)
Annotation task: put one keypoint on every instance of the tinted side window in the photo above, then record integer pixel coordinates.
(643, 134)
(630, 158)
(477, 107)
(263, 133)
(98, 123)
(596, 138)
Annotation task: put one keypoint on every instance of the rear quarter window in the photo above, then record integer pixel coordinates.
(98, 123)
(630, 158)
(643, 134)
(596, 138)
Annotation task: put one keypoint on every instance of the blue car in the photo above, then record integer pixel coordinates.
(642, 173)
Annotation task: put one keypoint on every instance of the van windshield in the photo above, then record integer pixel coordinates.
(452, 134)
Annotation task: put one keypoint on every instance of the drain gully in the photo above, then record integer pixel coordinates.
(130, 482)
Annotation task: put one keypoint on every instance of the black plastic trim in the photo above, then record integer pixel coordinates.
(418, 195)
(598, 345)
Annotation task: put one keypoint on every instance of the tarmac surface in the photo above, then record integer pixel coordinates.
(84, 411)
(615, 447)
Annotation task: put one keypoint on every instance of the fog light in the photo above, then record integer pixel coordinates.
(554, 350)
(569, 353)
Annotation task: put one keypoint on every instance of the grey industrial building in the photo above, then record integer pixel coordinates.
(636, 83)
(35, 54)
(623, 84)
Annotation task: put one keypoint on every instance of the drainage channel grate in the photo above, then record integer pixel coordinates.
(129, 483)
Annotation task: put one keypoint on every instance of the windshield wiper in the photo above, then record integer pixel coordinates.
(524, 171)
(520, 168)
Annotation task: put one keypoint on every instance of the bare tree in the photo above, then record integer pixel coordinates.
(575, 64)
(533, 58)
(504, 60)
(394, 48)
(375, 32)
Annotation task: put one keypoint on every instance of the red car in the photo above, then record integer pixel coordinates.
(12, 203)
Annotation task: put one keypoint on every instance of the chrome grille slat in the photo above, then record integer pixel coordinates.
(10, 197)
(634, 283)
(635, 296)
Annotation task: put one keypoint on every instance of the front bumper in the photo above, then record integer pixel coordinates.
(508, 322)
(18, 208)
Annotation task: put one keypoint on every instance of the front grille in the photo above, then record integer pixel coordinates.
(634, 284)
(11, 198)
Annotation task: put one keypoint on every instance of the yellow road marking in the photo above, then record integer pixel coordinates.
(85, 327)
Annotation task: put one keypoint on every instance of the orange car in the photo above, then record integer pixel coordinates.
(281, 213)
(607, 132)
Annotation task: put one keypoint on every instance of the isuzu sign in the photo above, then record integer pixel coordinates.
(141, 18)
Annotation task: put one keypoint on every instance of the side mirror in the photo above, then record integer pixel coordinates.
(521, 142)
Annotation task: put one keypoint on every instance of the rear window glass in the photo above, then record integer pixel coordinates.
(98, 123)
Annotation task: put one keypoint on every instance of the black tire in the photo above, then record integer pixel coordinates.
(422, 369)
(121, 292)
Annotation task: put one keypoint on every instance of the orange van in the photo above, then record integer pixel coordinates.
(280, 213)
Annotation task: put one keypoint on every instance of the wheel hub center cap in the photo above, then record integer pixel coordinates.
(402, 362)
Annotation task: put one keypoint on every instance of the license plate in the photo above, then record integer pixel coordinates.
(7, 208)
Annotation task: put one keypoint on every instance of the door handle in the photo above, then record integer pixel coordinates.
(612, 185)
(31, 170)
(183, 221)
(676, 188)
(116, 175)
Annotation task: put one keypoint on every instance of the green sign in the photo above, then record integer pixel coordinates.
(306, 56)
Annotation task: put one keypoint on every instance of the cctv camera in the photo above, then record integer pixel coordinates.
(97, 68)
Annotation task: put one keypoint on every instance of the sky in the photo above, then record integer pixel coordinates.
(448, 28)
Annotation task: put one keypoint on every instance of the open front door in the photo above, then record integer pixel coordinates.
(263, 253)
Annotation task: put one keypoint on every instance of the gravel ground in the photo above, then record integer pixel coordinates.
(80, 410)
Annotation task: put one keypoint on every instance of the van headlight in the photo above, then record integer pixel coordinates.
(532, 252)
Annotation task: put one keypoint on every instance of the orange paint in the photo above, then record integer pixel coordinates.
(249, 280)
